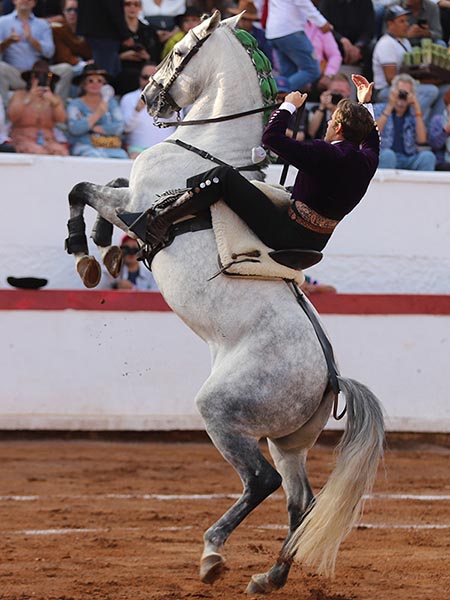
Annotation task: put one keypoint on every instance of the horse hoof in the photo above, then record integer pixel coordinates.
(259, 584)
(113, 261)
(211, 568)
(89, 270)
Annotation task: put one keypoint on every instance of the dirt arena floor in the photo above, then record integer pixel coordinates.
(91, 519)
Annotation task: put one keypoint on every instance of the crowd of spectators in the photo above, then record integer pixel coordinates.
(71, 71)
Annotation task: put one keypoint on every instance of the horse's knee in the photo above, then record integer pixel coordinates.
(118, 182)
(77, 195)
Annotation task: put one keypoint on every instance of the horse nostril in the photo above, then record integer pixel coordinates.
(144, 99)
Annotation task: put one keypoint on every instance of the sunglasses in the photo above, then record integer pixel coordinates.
(69, 10)
(128, 250)
(136, 4)
(95, 80)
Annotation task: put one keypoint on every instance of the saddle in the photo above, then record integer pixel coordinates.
(243, 254)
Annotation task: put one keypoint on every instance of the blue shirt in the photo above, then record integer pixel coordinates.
(21, 54)
(77, 120)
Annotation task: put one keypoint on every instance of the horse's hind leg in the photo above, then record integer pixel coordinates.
(292, 466)
(102, 236)
(105, 200)
(289, 455)
(259, 479)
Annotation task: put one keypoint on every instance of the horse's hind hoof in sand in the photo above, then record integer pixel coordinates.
(269, 378)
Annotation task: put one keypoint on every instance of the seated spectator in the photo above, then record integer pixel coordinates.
(424, 22)
(24, 39)
(247, 23)
(327, 53)
(133, 275)
(5, 142)
(354, 26)
(35, 112)
(160, 14)
(339, 87)
(401, 126)
(439, 136)
(140, 132)
(70, 48)
(388, 57)
(185, 22)
(146, 47)
(285, 30)
(95, 122)
(51, 10)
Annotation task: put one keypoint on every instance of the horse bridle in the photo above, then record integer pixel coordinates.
(165, 98)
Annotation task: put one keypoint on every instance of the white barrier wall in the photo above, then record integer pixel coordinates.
(92, 370)
(89, 369)
(395, 241)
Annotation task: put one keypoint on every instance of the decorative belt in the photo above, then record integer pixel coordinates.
(309, 218)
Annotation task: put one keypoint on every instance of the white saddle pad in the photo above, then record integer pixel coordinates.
(241, 252)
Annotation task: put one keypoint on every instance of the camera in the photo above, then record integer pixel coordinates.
(402, 95)
(335, 98)
(138, 47)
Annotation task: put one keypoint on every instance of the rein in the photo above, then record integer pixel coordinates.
(179, 123)
(208, 156)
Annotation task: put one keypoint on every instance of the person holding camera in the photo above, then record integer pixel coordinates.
(34, 113)
(424, 22)
(133, 275)
(146, 47)
(338, 88)
(401, 126)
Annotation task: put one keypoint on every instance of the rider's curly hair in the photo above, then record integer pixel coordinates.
(357, 122)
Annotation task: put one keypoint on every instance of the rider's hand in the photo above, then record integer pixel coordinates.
(296, 98)
(363, 88)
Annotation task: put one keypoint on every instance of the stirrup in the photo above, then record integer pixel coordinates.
(136, 222)
(296, 259)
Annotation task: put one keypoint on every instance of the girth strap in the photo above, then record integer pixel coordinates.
(324, 342)
(208, 156)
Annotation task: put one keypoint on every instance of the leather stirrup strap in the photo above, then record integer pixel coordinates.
(324, 342)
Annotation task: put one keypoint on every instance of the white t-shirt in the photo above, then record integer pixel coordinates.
(388, 51)
(289, 16)
(139, 130)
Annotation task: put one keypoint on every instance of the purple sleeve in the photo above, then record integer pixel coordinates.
(370, 147)
(302, 155)
(436, 133)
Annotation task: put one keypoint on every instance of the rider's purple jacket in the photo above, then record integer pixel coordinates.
(332, 177)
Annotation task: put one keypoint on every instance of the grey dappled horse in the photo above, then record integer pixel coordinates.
(269, 378)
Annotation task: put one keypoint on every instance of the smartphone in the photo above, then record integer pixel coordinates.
(422, 22)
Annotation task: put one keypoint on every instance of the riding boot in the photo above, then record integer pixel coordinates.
(191, 202)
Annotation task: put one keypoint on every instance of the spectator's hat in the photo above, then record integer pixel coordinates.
(249, 7)
(40, 68)
(90, 69)
(191, 11)
(126, 238)
(395, 11)
(282, 85)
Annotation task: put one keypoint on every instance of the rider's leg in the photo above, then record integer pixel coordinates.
(227, 184)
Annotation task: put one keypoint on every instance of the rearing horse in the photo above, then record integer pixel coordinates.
(269, 378)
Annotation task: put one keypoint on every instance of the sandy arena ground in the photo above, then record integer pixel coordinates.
(88, 520)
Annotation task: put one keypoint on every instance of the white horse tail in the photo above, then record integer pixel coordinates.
(338, 506)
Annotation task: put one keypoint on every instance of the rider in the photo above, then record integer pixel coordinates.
(334, 175)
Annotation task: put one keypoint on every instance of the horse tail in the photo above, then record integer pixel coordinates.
(338, 506)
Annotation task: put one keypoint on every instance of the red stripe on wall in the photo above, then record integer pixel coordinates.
(337, 304)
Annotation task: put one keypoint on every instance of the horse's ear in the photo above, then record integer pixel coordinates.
(233, 22)
(210, 24)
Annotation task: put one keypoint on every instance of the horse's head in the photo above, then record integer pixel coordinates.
(178, 82)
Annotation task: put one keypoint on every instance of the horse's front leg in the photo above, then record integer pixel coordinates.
(102, 233)
(105, 200)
